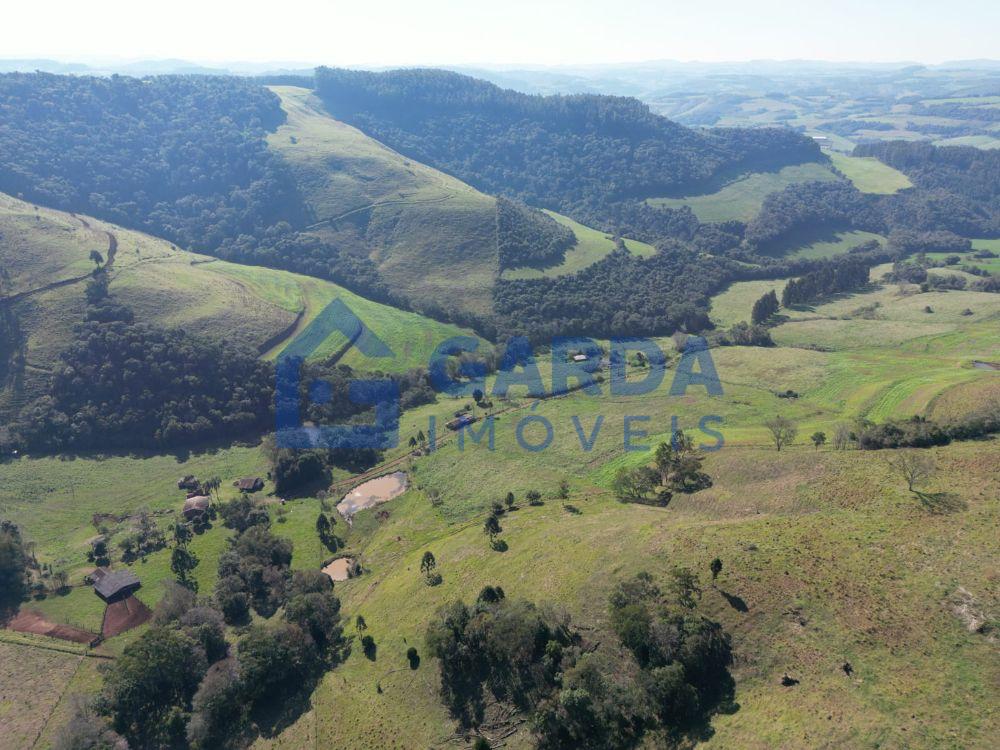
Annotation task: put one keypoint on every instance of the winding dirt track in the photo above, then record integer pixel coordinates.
(377, 204)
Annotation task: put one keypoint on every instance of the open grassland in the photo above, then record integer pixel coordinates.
(55, 499)
(742, 198)
(591, 246)
(870, 175)
(432, 236)
(827, 558)
(979, 141)
(736, 302)
(832, 560)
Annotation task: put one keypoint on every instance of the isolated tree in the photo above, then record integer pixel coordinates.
(783, 431)
(493, 528)
(182, 533)
(413, 441)
(428, 563)
(360, 625)
(764, 308)
(716, 568)
(534, 497)
(97, 258)
(212, 485)
(634, 485)
(509, 500)
(563, 489)
(818, 438)
(13, 569)
(322, 525)
(914, 466)
(61, 578)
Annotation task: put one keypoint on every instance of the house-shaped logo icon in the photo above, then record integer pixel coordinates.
(290, 393)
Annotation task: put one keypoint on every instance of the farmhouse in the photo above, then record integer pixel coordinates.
(249, 484)
(195, 507)
(114, 585)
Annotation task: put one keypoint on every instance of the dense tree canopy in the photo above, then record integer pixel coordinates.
(562, 152)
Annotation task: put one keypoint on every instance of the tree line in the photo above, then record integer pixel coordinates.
(836, 276)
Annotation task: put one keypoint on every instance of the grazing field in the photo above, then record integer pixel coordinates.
(742, 198)
(432, 236)
(827, 557)
(817, 547)
(591, 246)
(735, 303)
(870, 175)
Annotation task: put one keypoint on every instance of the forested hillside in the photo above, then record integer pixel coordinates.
(575, 154)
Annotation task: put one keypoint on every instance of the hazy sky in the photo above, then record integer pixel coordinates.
(549, 32)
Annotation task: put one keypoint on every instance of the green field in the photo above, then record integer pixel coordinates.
(591, 246)
(432, 236)
(833, 558)
(870, 175)
(840, 243)
(742, 198)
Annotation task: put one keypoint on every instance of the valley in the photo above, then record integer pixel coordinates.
(755, 504)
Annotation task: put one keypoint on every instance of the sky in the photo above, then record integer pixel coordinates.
(501, 32)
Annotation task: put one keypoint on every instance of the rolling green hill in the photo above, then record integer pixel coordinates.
(827, 558)
(46, 254)
(431, 236)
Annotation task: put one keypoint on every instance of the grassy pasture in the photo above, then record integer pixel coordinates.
(839, 244)
(870, 175)
(979, 141)
(591, 246)
(832, 558)
(735, 303)
(822, 547)
(742, 198)
(432, 236)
